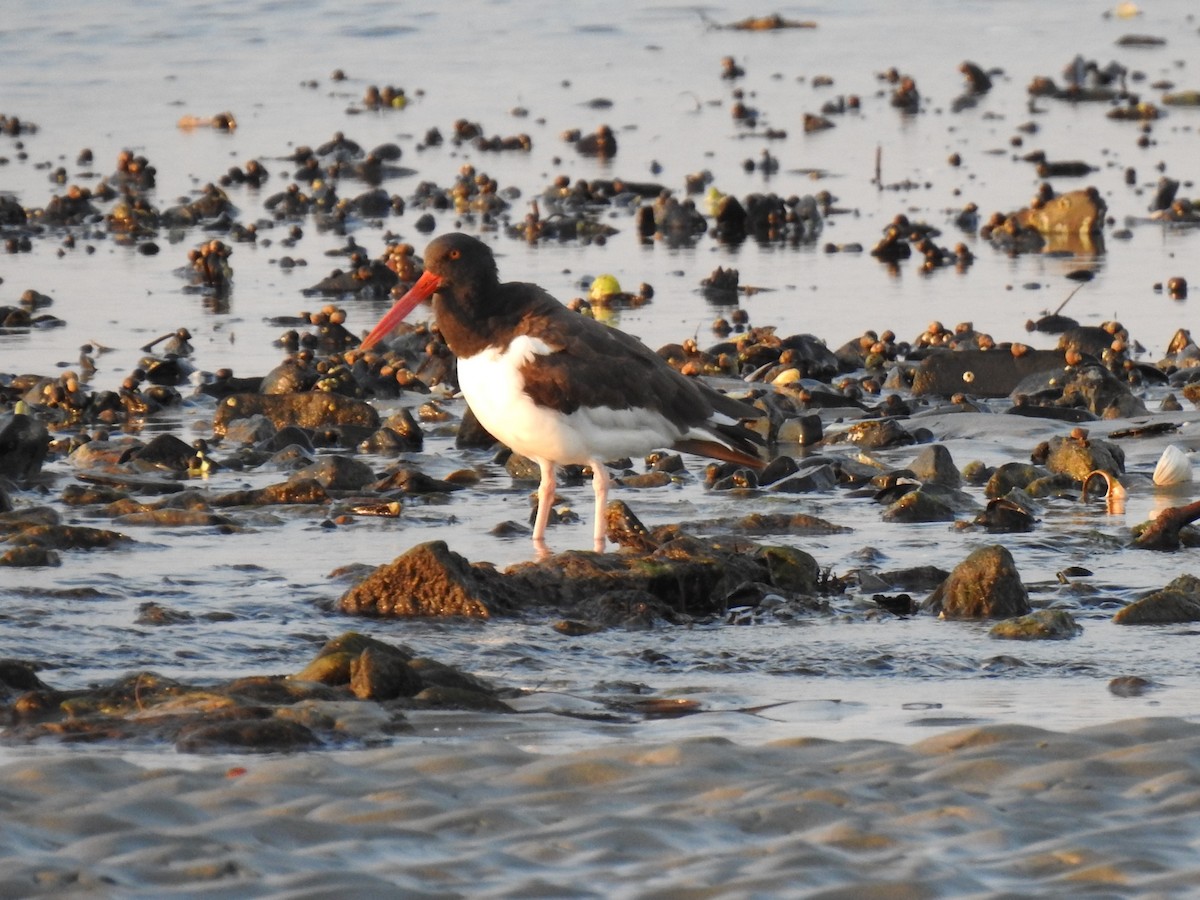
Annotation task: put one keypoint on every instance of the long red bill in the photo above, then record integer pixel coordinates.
(423, 289)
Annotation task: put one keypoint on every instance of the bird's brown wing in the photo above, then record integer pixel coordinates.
(595, 365)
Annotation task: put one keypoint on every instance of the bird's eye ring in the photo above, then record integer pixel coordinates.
(455, 254)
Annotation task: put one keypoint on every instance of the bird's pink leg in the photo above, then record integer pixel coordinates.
(545, 495)
(600, 483)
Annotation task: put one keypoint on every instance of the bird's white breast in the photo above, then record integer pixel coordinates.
(493, 386)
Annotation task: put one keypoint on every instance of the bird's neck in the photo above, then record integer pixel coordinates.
(471, 318)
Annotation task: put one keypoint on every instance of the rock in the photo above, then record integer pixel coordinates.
(935, 464)
(151, 613)
(305, 491)
(381, 675)
(792, 569)
(1058, 485)
(878, 433)
(21, 557)
(1100, 392)
(336, 473)
(164, 451)
(429, 580)
(919, 506)
(1130, 686)
(413, 481)
(440, 697)
(1010, 514)
(1077, 455)
(1175, 603)
(68, 537)
(246, 734)
(690, 576)
(18, 676)
(1073, 213)
(633, 610)
(1041, 625)
(24, 442)
(813, 478)
(251, 430)
(982, 373)
(929, 502)
(1012, 475)
(804, 430)
(776, 523)
(317, 410)
(984, 585)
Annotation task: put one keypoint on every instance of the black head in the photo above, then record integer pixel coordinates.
(463, 264)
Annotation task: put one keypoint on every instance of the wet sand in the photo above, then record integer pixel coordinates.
(1108, 811)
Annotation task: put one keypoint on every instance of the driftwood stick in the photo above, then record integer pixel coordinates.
(1163, 532)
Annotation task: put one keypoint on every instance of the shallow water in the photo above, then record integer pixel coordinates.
(110, 78)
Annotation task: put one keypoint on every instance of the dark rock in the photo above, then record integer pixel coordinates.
(1010, 514)
(413, 481)
(151, 613)
(313, 411)
(163, 451)
(776, 523)
(920, 505)
(246, 733)
(306, 491)
(382, 675)
(916, 578)
(1130, 686)
(333, 665)
(689, 575)
(625, 529)
(253, 430)
(982, 373)
(1057, 485)
(1101, 393)
(631, 609)
(24, 442)
(68, 537)
(792, 569)
(473, 435)
(336, 473)
(1041, 625)
(18, 676)
(878, 434)
(804, 430)
(440, 697)
(814, 478)
(935, 464)
(29, 557)
(1012, 475)
(1077, 455)
(1176, 603)
(984, 585)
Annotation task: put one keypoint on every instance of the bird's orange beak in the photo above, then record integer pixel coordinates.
(423, 289)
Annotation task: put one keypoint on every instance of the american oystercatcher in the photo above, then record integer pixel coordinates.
(561, 388)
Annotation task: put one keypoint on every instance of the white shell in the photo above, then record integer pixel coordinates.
(1174, 467)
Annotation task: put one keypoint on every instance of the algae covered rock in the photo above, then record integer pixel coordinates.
(1177, 602)
(1041, 625)
(985, 585)
(428, 580)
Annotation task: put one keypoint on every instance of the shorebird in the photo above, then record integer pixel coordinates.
(561, 388)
